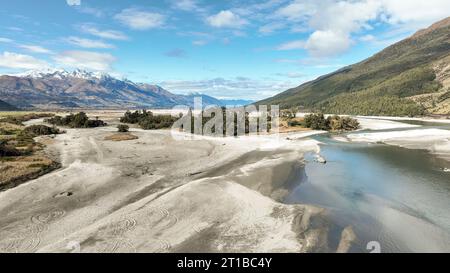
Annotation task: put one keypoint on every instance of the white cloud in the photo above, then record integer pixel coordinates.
(299, 44)
(292, 75)
(36, 49)
(227, 19)
(186, 5)
(334, 22)
(139, 19)
(367, 38)
(20, 61)
(298, 10)
(85, 60)
(239, 87)
(327, 43)
(415, 11)
(321, 43)
(73, 2)
(5, 40)
(105, 34)
(88, 43)
(271, 27)
(92, 11)
(199, 42)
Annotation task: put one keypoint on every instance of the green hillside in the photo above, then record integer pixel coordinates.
(381, 85)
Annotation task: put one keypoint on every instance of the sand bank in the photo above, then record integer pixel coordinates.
(436, 141)
(157, 194)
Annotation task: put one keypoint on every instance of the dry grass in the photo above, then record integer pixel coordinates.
(20, 113)
(293, 129)
(285, 128)
(16, 170)
(121, 137)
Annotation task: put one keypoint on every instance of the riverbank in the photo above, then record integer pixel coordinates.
(157, 194)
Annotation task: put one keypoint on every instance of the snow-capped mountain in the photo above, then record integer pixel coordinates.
(62, 74)
(58, 88)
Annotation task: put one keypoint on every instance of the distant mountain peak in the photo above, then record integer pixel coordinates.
(61, 73)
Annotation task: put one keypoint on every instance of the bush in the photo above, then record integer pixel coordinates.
(148, 121)
(317, 122)
(7, 150)
(40, 130)
(332, 123)
(295, 123)
(123, 128)
(79, 120)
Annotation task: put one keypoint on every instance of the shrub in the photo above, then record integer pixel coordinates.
(123, 128)
(332, 123)
(148, 121)
(7, 150)
(40, 130)
(79, 120)
(316, 122)
(295, 123)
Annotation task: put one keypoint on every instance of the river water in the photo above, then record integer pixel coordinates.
(396, 197)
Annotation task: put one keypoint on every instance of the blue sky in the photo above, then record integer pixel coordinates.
(227, 49)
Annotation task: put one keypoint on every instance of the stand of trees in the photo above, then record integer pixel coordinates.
(79, 120)
(147, 121)
(332, 123)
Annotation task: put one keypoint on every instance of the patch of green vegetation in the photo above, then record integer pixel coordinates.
(365, 103)
(8, 132)
(79, 120)
(332, 123)
(19, 119)
(7, 150)
(40, 130)
(123, 128)
(147, 121)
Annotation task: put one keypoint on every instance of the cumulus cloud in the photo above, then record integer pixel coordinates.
(226, 19)
(140, 19)
(415, 11)
(230, 88)
(105, 34)
(73, 2)
(20, 61)
(86, 60)
(88, 43)
(36, 49)
(327, 43)
(333, 23)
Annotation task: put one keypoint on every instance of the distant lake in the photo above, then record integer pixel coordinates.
(398, 197)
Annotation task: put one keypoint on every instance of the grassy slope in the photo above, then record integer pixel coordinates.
(380, 84)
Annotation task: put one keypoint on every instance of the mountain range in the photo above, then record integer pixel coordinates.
(59, 89)
(411, 77)
(6, 106)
